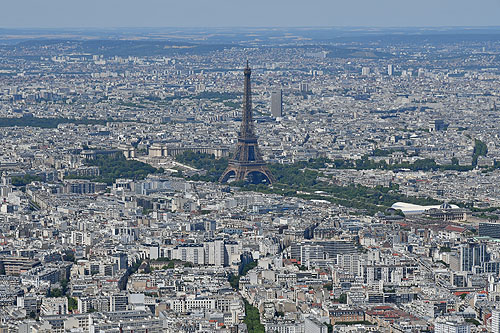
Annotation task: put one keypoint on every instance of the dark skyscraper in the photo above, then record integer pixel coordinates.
(277, 103)
(247, 162)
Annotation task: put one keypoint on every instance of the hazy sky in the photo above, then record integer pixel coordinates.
(224, 13)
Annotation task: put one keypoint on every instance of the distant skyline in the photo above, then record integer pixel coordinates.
(255, 13)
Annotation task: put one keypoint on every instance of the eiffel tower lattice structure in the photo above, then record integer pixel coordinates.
(246, 162)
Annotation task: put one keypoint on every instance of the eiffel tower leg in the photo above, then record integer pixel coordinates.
(226, 175)
(269, 177)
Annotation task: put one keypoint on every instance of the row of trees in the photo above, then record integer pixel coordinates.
(111, 168)
(425, 164)
(480, 149)
(301, 179)
(46, 122)
(24, 180)
(63, 292)
(234, 279)
(252, 319)
(116, 166)
(252, 315)
(213, 167)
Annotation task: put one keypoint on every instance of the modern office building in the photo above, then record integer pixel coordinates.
(118, 302)
(489, 229)
(17, 265)
(471, 255)
(308, 251)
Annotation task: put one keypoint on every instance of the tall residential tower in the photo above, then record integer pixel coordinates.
(277, 103)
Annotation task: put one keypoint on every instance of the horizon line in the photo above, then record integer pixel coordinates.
(258, 27)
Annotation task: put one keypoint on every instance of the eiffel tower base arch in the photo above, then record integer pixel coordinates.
(241, 172)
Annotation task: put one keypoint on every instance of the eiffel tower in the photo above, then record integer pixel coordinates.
(246, 162)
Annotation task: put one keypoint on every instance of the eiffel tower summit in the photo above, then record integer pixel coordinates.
(246, 162)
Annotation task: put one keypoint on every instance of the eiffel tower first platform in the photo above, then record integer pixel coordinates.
(246, 162)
